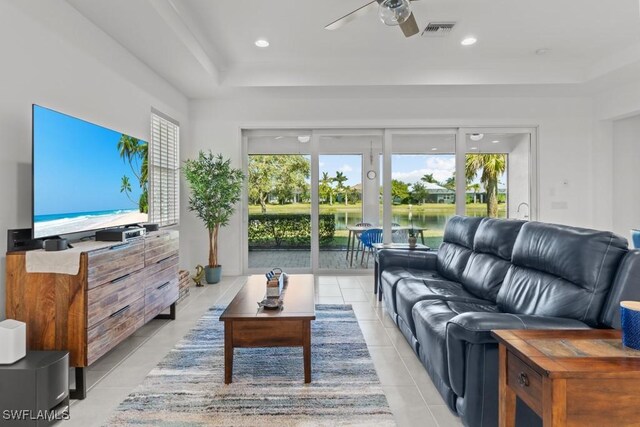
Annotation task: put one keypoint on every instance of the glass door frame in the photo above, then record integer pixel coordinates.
(533, 164)
(386, 134)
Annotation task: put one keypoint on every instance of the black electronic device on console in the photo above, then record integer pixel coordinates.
(120, 234)
(56, 245)
(20, 240)
(151, 227)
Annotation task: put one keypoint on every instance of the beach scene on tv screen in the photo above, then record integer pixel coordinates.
(85, 177)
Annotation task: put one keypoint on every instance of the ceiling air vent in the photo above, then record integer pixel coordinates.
(438, 29)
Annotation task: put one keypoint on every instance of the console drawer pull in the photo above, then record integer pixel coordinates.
(164, 285)
(122, 246)
(121, 278)
(523, 380)
(119, 312)
(164, 259)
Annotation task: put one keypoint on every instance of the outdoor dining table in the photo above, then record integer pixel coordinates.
(355, 231)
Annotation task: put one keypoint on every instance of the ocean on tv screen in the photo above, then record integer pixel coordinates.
(85, 176)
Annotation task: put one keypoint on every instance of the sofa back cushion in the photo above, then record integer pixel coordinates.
(456, 246)
(561, 271)
(491, 257)
(626, 287)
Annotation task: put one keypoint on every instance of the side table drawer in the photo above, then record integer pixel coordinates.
(526, 382)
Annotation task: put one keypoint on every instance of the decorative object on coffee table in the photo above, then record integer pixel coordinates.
(244, 326)
(215, 191)
(630, 322)
(568, 377)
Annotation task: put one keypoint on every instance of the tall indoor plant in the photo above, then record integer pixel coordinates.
(215, 190)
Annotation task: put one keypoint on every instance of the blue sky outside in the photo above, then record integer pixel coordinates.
(408, 168)
(77, 167)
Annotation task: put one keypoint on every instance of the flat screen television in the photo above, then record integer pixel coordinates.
(85, 177)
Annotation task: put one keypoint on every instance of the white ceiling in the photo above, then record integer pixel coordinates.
(204, 46)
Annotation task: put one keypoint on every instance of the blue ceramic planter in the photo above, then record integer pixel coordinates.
(213, 274)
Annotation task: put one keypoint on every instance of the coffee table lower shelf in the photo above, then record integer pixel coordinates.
(269, 332)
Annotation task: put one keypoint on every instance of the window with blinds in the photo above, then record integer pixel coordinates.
(164, 179)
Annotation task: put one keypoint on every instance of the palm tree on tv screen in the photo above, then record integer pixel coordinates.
(135, 152)
(490, 167)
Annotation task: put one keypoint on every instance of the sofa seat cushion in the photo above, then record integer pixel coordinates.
(390, 278)
(430, 318)
(411, 291)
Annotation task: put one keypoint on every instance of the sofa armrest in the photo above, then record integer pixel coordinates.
(420, 260)
(474, 329)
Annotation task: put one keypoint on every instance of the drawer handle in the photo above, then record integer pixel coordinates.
(119, 312)
(164, 285)
(121, 278)
(523, 380)
(118, 247)
(164, 259)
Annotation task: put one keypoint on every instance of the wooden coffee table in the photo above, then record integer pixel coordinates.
(247, 325)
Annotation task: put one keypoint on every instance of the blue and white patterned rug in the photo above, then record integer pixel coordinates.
(187, 387)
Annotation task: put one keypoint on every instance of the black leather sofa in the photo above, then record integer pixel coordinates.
(501, 274)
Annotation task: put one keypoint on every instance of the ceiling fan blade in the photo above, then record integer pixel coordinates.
(351, 16)
(410, 26)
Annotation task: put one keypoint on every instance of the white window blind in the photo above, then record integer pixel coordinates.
(164, 180)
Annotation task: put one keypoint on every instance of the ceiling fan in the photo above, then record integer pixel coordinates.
(391, 12)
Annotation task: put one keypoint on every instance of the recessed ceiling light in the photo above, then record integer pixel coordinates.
(542, 51)
(474, 148)
(434, 149)
(495, 141)
(468, 41)
(279, 137)
(476, 136)
(262, 43)
(304, 139)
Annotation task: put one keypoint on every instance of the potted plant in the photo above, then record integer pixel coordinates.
(215, 190)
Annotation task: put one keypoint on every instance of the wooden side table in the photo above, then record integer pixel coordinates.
(569, 377)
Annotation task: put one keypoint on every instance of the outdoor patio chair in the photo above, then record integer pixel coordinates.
(368, 238)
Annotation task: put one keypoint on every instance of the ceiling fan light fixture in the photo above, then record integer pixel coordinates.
(394, 12)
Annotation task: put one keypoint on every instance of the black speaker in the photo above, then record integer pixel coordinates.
(35, 390)
(151, 227)
(20, 240)
(56, 244)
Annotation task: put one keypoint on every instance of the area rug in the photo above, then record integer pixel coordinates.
(187, 387)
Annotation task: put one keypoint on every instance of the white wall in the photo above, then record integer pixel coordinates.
(565, 142)
(626, 191)
(54, 57)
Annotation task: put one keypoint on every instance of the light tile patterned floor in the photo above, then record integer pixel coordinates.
(412, 397)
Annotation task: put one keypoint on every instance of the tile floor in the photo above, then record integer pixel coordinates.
(411, 395)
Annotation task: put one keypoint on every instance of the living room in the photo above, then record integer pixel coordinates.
(255, 78)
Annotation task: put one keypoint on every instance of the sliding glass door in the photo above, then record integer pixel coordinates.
(311, 193)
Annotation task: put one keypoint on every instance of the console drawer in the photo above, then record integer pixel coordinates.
(104, 300)
(114, 329)
(159, 298)
(160, 246)
(526, 382)
(105, 265)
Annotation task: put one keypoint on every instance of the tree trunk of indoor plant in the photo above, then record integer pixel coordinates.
(213, 271)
